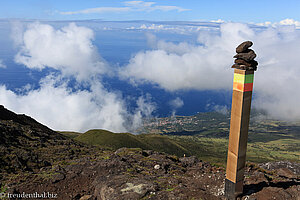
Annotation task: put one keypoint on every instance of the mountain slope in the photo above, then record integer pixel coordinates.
(35, 159)
(111, 140)
(27, 145)
(144, 141)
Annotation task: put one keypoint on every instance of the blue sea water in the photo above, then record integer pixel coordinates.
(116, 45)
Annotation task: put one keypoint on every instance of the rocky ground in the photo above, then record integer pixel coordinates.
(70, 170)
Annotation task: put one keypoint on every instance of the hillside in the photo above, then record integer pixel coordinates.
(27, 145)
(115, 141)
(213, 149)
(36, 159)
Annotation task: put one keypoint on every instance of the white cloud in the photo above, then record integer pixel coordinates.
(55, 104)
(2, 65)
(186, 66)
(285, 22)
(169, 8)
(97, 10)
(180, 48)
(207, 66)
(152, 27)
(144, 110)
(17, 30)
(218, 21)
(176, 103)
(69, 50)
(221, 109)
(183, 28)
(140, 4)
(289, 22)
(62, 109)
(129, 6)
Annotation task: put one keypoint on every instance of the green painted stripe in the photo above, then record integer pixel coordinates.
(249, 78)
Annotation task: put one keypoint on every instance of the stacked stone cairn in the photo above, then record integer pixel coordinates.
(245, 57)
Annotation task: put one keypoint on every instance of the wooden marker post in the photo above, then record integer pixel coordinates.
(239, 124)
(245, 65)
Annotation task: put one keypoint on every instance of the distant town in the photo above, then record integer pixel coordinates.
(186, 124)
(213, 124)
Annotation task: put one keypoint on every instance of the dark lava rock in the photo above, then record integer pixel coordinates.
(244, 46)
(242, 62)
(238, 66)
(245, 57)
(248, 56)
(189, 161)
(27, 145)
(58, 177)
(284, 172)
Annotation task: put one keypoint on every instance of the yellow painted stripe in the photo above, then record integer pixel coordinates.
(239, 78)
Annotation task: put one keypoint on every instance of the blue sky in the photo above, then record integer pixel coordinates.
(228, 10)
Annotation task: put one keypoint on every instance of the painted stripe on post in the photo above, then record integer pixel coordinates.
(242, 82)
(249, 78)
(238, 86)
(241, 78)
(248, 87)
(242, 87)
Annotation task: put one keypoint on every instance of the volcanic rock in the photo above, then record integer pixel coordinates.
(242, 62)
(238, 66)
(285, 172)
(247, 56)
(244, 47)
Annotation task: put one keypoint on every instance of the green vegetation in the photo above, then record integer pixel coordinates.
(209, 149)
(205, 135)
(111, 140)
(115, 141)
(70, 134)
(215, 149)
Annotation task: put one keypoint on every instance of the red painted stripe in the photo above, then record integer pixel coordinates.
(243, 87)
(248, 87)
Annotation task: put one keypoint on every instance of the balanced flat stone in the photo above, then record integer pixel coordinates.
(249, 56)
(244, 46)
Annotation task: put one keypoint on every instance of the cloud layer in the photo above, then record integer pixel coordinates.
(129, 6)
(285, 22)
(85, 105)
(206, 65)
